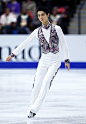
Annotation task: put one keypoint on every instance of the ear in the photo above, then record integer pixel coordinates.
(48, 14)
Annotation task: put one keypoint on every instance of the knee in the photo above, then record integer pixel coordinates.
(36, 84)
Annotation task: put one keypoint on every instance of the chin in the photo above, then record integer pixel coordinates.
(42, 22)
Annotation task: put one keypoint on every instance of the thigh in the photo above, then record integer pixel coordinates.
(51, 73)
(40, 74)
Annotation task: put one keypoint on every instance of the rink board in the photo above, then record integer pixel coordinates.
(29, 57)
(35, 64)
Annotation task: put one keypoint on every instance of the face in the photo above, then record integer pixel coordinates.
(43, 17)
(13, 0)
(13, 24)
(24, 11)
(7, 11)
(54, 11)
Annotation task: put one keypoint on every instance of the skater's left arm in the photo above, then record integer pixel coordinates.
(64, 48)
(67, 64)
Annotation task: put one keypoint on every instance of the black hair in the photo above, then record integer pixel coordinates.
(45, 9)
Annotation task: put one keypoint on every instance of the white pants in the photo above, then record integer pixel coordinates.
(46, 71)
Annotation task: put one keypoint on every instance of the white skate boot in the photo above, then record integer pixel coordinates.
(31, 115)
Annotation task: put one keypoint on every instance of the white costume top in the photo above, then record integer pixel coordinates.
(46, 32)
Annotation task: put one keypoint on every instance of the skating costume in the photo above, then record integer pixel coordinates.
(49, 37)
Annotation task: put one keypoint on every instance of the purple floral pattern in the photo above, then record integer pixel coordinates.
(46, 27)
(52, 46)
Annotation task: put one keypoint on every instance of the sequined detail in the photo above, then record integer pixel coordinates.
(52, 46)
(67, 61)
(46, 27)
(53, 78)
(12, 54)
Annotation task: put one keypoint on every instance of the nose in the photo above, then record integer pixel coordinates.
(41, 18)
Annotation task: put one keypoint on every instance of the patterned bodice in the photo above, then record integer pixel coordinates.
(52, 46)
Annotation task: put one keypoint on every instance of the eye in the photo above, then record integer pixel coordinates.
(38, 15)
(42, 14)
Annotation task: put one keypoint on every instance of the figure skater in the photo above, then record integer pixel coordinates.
(49, 36)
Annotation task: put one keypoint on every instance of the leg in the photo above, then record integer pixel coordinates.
(52, 71)
(40, 74)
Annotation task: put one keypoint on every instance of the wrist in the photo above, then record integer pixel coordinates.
(12, 55)
(67, 61)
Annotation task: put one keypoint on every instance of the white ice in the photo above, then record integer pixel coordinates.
(65, 103)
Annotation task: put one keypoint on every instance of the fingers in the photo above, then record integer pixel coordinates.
(68, 68)
(8, 58)
(67, 65)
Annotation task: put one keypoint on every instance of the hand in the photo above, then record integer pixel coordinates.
(8, 58)
(67, 65)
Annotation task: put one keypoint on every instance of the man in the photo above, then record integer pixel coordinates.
(7, 18)
(14, 7)
(49, 37)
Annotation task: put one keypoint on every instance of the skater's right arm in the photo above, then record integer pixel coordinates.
(30, 38)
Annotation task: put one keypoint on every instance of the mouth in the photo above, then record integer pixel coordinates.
(41, 20)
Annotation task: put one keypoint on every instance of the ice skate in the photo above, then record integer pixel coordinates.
(31, 115)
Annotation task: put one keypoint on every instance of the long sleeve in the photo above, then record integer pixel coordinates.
(63, 43)
(19, 8)
(30, 38)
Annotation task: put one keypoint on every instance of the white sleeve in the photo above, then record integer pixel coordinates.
(63, 43)
(30, 38)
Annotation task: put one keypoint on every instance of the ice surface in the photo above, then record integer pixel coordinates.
(65, 103)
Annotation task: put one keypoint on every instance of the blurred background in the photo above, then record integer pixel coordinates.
(18, 19)
(66, 101)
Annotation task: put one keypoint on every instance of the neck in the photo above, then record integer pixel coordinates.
(13, 1)
(46, 23)
(54, 15)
